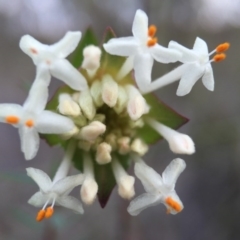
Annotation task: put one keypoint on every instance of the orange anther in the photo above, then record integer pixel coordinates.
(49, 212)
(29, 123)
(40, 215)
(151, 42)
(219, 57)
(33, 50)
(152, 30)
(12, 119)
(173, 204)
(222, 47)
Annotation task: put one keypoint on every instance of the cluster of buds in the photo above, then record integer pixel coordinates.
(104, 119)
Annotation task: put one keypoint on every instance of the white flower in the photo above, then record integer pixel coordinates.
(178, 142)
(143, 48)
(159, 189)
(197, 64)
(51, 58)
(54, 193)
(31, 119)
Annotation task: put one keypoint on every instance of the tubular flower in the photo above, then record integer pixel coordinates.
(142, 48)
(51, 58)
(159, 189)
(197, 64)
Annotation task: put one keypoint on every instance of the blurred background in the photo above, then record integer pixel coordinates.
(210, 185)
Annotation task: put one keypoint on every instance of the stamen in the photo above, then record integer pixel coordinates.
(49, 212)
(222, 47)
(12, 119)
(219, 57)
(152, 30)
(41, 214)
(29, 123)
(151, 42)
(173, 204)
(33, 50)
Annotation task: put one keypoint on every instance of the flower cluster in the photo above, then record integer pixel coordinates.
(104, 119)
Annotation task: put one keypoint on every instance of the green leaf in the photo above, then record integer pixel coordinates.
(110, 61)
(103, 174)
(88, 38)
(54, 139)
(162, 113)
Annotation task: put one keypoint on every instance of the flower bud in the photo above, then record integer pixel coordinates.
(96, 93)
(109, 91)
(89, 191)
(139, 147)
(103, 155)
(91, 57)
(126, 187)
(123, 145)
(70, 134)
(122, 100)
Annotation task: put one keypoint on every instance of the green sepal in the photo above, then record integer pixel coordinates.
(160, 112)
(88, 38)
(103, 174)
(55, 139)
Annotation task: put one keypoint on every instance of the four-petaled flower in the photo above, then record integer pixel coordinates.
(31, 119)
(143, 48)
(159, 189)
(197, 64)
(54, 192)
(51, 58)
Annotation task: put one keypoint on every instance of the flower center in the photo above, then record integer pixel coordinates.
(12, 119)
(173, 204)
(152, 40)
(29, 123)
(45, 212)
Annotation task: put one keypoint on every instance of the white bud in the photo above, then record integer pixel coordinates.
(139, 147)
(91, 57)
(112, 140)
(137, 124)
(125, 182)
(123, 145)
(136, 105)
(67, 106)
(178, 142)
(72, 133)
(92, 131)
(103, 155)
(109, 91)
(122, 100)
(96, 92)
(86, 104)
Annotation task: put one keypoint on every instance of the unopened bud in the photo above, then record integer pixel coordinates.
(89, 191)
(92, 131)
(112, 140)
(67, 106)
(103, 155)
(126, 187)
(86, 104)
(123, 145)
(70, 134)
(121, 100)
(139, 147)
(109, 91)
(91, 57)
(96, 92)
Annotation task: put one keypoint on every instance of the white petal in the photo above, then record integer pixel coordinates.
(150, 179)
(63, 70)
(29, 141)
(189, 78)
(40, 178)
(188, 55)
(37, 98)
(142, 202)
(208, 79)
(67, 184)
(32, 47)
(140, 26)
(66, 45)
(143, 63)
(9, 109)
(172, 172)
(50, 122)
(200, 46)
(38, 199)
(71, 203)
(125, 46)
(164, 55)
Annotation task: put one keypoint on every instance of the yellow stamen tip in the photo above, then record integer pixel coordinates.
(12, 119)
(151, 42)
(222, 47)
(40, 215)
(49, 212)
(29, 123)
(152, 30)
(219, 57)
(173, 204)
